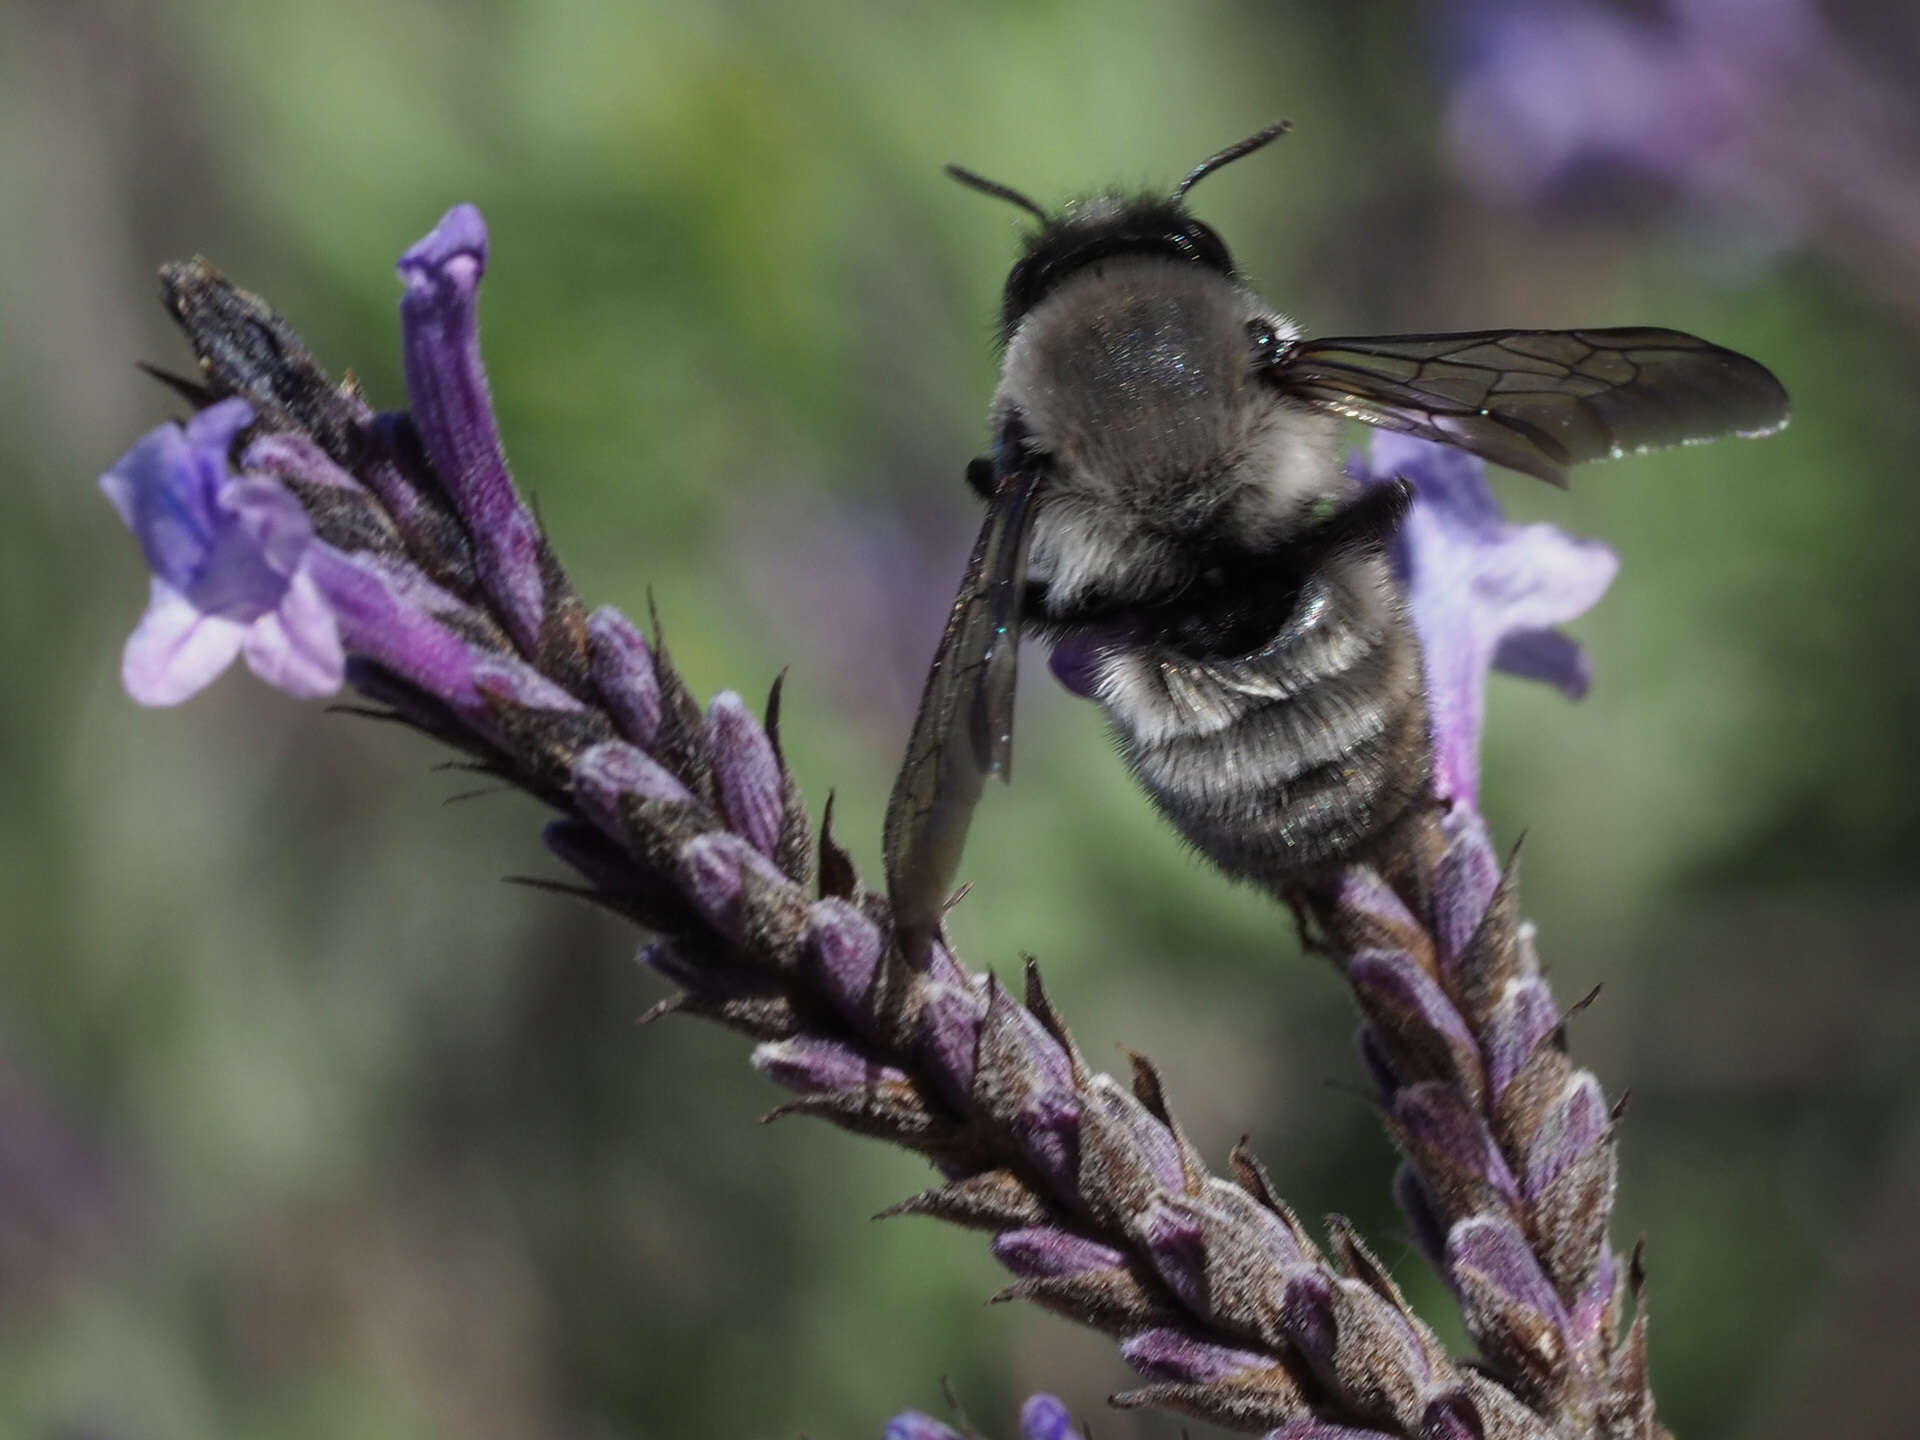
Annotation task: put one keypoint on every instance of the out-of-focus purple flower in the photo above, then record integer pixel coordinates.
(1762, 116)
(1043, 1417)
(917, 1425)
(1695, 96)
(229, 560)
(1482, 594)
(1545, 87)
(63, 1198)
(861, 590)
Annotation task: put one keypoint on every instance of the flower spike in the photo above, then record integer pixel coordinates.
(396, 551)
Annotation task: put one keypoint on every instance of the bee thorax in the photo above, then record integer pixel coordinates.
(1137, 382)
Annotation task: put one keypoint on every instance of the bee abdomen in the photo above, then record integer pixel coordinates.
(1288, 761)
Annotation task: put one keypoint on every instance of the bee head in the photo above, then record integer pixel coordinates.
(1101, 229)
(1110, 225)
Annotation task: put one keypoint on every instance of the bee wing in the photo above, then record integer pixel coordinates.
(964, 729)
(1539, 400)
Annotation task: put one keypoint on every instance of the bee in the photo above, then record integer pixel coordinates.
(1163, 488)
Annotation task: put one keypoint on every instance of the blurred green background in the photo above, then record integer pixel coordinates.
(310, 1129)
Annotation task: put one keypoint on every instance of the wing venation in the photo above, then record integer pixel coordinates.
(963, 731)
(1539, 400)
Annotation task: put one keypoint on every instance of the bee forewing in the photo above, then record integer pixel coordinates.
(964, 729)
(1539, 400)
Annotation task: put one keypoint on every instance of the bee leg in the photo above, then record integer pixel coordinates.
(1366, 522)
(980, 476)
(1313, 939)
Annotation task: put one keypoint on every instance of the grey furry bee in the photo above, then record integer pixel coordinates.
(1163, 483)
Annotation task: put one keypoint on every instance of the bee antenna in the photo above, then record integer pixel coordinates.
(1239, 150)
(999, 192)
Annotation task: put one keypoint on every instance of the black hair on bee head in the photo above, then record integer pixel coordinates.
(1102, 229)
(1109, 226)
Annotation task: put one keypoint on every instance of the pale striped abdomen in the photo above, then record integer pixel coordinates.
(1280, 764)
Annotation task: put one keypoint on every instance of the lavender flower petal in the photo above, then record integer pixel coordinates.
(1042, 1417)
(1046, 1250)
(1045, 1417)
(1307, 1317)
(612, 771)
(453, 410)
(622, 666)
(229, 560)
(844, 947)
(296, 647)
(949, 1031)
(381, 625)
(164, 489)
(290, 456)
(1546, 656)
(715, 869)
(1451, 1417)
(1575, 1123)
(1075, 663)
(810, 1065)
(1523, 1018)
(916, 1425)
(1449, 1142)
(1463, 881)
(1164, 1354)
(1472, 582)
(508, 678)
(746, 772)
(1173, 1235)
(175, 652)
(1047, 1126)
(394, 466)
(1511, 1307)
(1425, 1037)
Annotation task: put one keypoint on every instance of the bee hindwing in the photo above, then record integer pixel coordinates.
(964, 729)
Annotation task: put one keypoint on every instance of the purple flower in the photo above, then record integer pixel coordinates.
(1545, 88)
(916, 1425)
(1483, 595)
(1043, 1417)
(862, 590)
(66, 1195)
(453, 409)
(1077, 661)
(229, 560)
